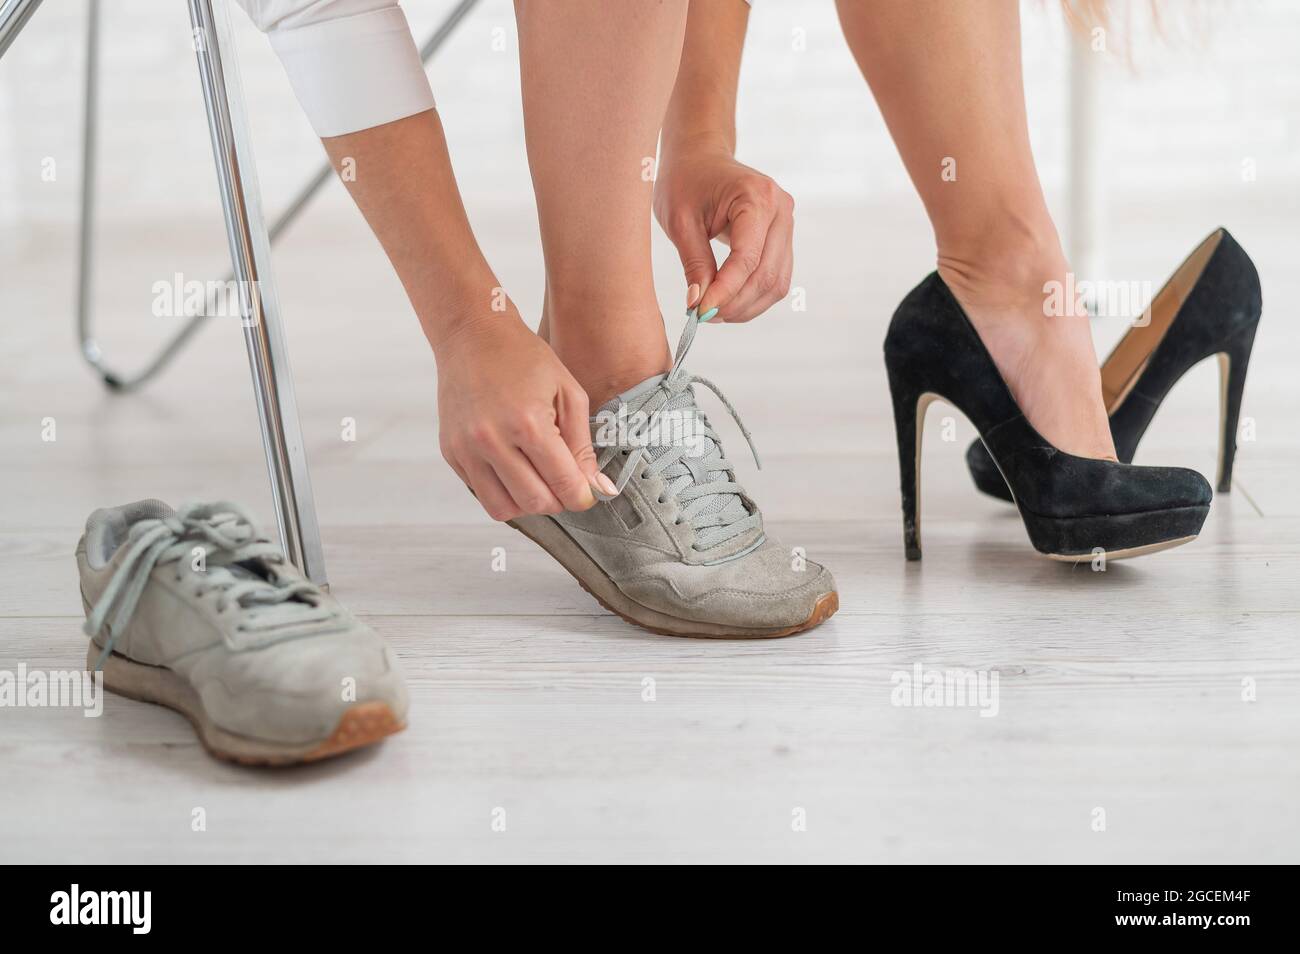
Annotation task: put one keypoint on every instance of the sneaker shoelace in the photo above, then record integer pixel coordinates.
(675, 442)
(229, 539)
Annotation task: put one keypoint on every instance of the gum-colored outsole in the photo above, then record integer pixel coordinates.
(822, 610)
(361, 724)
(364, 724)
(576, 563)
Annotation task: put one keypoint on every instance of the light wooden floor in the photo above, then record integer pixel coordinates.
(1119, 690)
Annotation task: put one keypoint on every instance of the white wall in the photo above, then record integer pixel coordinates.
(1224, 88)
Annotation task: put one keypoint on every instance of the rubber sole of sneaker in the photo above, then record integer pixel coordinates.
(552, 538)
(360, 725)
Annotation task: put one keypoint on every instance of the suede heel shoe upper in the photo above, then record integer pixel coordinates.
(1210, 305)
(1071, 506)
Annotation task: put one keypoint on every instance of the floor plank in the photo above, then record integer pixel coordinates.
(1120, 690)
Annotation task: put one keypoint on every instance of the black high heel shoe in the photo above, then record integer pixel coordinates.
(1210, 306)
(1071, 506)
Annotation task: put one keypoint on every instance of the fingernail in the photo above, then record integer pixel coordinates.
(604, 485)
(708, 314)
(692, 294)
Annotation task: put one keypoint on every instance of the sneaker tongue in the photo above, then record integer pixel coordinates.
(254, 569)
(679, 476)
(635, 396)
(241, 572)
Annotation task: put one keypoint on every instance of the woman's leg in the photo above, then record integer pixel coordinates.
(947, 77)
(513, 423)
(596, 80)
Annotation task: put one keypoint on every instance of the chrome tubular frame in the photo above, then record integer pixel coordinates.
(14, 15)
(250, 252)
(90, 349)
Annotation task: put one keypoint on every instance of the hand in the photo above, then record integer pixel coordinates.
(708, 194)
(513, 421)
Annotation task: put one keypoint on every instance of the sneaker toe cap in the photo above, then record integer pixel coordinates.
(297, 692)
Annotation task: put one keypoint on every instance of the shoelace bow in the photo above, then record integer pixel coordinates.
(688, 470)
(228, 536)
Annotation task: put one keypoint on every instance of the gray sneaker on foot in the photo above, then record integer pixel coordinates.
(681, 549)
(194, 610)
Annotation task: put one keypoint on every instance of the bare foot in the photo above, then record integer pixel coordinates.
(1049, 363)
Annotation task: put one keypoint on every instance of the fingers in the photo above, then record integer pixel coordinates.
(531, 469)
(549, 447)
(526, 487)
(538, 470)
(488, 489)
(760, 221)
(770, 281)
(749, 224)
(559, 477)
(573, 418)
(572, 409)
(691, 237)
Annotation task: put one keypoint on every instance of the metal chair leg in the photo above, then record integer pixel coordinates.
(86, 233)
(14, 15)
(250, 254)
(1086, 167)
(90, 349)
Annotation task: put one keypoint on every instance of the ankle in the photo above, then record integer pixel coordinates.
(1004, 269)
(608, 347)
(604, 375)
(604, 387)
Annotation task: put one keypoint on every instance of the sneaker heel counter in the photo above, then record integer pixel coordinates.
(84, 575)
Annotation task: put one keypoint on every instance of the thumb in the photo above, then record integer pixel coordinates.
(575, 431)
(585, 456)
(697, 261)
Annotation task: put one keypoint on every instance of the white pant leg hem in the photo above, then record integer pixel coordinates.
(354, 72)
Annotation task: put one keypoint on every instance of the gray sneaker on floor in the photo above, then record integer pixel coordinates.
(194, 610)
(681, 549)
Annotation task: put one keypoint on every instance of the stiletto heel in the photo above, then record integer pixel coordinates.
(1072, 507)
(909, 421)
(1233, 363)
(1210, 306)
